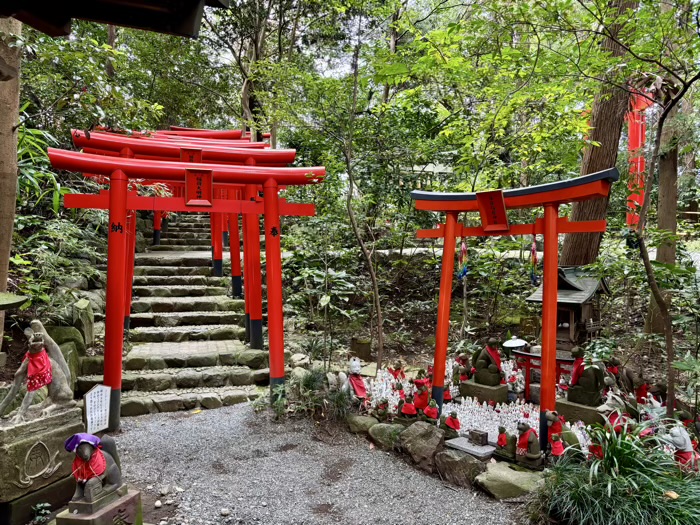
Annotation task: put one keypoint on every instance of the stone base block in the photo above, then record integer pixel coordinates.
(32, 454)
(534, 393)
(126, 509)
(574, 412)
(481, 452)
(19, 511)
(84, 507)
(497, 394)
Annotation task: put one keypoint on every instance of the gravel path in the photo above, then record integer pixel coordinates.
(234, 461)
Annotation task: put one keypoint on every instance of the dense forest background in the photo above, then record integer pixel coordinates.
(392, 96)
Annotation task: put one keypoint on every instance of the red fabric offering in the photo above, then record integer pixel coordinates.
(397, 373)
(463, 377)
(431, 412)
(641, 393)
(523, 441)
(447, 395)
(556, 428)
(502, 440)
(85, 470)
(557, 448)
(408, 409)
(358, 385)
(688, 459)
(493, 352)
(453, 423)
(39, 371)
(576, 372)
(421, 399)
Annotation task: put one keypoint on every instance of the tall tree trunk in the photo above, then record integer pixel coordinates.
(607, 118)
(666, 210)
(9, 116)
(111, 40)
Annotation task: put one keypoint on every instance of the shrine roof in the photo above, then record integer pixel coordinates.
(575, 286)
(177, 17)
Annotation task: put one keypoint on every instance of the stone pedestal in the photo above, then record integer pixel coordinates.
(481, 452)
(575, 412)
(33, 460)
(125, 510)
(484, 393)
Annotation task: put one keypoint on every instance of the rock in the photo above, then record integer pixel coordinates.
(188, 378)
(214, 377)
(169, 502)
(261, 377)
(422, 441)
(165, 490)
(361, 424)
(503, 480)
(79, 282)
(298, 374)
(158, 504)
(386, 436)
(96, 298)
(153, 382)
(168, 403)
(211, 401)
(253, 358)
(84, 320)
(459, 468)
(70, 354)
(225, 512)
(201, 360)
(240, 376)
(300, 360)
(92, 366)
(233, 398)
(135, 406)
(64, 334)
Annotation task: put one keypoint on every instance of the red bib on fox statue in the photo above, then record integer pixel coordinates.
(39, 372)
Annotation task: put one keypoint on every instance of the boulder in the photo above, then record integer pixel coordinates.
(65, 334)
(459, 468)
(84, 321)
(79, 282)
(233, 398)
(168, 403)
(210, 400)
(136, 406)
(240, 376)
(97, 299)
(214, 377)
(361, 424)
(188, 378)
(92, 366)
(300, 360)
(386, 436)
(504, 481)
(154, 382)
(299, 374)
(422, 441)
(253, 358)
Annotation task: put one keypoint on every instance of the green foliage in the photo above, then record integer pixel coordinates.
(629, 484)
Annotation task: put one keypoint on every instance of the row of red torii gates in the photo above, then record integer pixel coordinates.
(221, 173)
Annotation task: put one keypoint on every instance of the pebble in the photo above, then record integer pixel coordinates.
(158, 504)
(225, 512)
(165, 490)
(168, 502)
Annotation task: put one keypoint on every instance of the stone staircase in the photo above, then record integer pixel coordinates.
(186, 331)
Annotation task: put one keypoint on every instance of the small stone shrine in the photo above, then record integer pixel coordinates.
(34, 466)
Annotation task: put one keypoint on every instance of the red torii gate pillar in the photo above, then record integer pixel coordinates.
(492, 207)
(235, 249)
(636, 138)
(252, 275)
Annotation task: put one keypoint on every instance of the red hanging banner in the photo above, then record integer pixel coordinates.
(492, 208)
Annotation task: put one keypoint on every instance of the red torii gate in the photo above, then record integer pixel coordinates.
(199, 181)
(492, 207)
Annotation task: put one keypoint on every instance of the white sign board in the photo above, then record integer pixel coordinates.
(97, 408)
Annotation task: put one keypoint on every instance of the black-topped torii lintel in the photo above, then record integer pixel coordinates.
(177, 17)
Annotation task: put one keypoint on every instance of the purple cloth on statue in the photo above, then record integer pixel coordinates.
(73, 442)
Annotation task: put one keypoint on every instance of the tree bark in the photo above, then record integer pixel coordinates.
(607, 118)
(9, 116)
(111, 40)
(666, 212)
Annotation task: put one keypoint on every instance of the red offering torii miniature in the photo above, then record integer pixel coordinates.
(492, 207)
(200, 183)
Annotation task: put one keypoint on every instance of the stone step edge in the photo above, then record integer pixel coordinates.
(137, 404)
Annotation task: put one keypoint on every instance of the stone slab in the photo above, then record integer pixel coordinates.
(84, 507)
(19, 511)
(32, 454)
(575, 412)
(484, 393)
(126, 509)
(482, 452)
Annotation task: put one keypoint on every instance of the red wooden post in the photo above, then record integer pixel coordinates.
(216, 221)
(549, 318)
(116, 283)
(130, 260)
(157, 224)
(637, 134)
(224, 226)
(235, 249)
(247, 278)
(443, 316)
(273, 261)
(255, 274)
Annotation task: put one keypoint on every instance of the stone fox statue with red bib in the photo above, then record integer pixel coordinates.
(43, 365)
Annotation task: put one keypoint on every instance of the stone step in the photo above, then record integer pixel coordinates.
(186, 235)
(176, 378)
(172, 271)
(191, 227)
(171, 319)
(183, 242)
(213, 303)
(135, 403)
(176, 280)
(178, 291)
(229, 352)
(180, 248)
(177, 334)
(173, 259)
